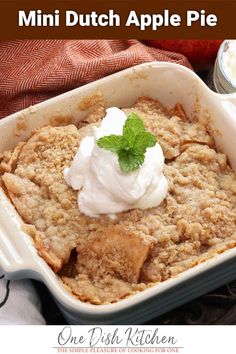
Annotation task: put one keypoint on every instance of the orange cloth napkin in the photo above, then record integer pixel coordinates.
(32, 71)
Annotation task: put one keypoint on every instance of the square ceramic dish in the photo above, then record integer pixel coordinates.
(169, 83)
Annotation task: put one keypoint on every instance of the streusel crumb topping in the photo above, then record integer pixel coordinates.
(101, 260)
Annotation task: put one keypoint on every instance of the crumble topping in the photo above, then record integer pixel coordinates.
(100, 260)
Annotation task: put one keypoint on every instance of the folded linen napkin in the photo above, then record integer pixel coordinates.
(33, 70)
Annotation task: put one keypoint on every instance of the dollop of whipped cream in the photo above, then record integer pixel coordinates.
(229, 61)
(103, 187)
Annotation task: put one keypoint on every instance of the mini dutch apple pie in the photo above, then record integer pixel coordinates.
(128, 201)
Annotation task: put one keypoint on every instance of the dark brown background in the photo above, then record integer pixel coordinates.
(225, 10)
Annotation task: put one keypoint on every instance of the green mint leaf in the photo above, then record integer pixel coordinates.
(111, 142)
(129, 139)
(132, 145)
(129, 161)
(133, 125)
(143, 141)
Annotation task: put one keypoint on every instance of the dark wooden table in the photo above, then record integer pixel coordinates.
(217, 307)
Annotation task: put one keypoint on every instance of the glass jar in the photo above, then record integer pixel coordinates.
(222, 81)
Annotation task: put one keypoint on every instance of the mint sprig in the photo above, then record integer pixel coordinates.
(132, 145)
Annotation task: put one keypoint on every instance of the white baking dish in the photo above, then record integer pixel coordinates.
(170, 83)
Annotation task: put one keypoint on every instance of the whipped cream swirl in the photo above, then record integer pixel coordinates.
(103, 187)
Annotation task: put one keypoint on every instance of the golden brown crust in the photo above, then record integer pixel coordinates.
(108, 251)
(8, 160)
(172, 131)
